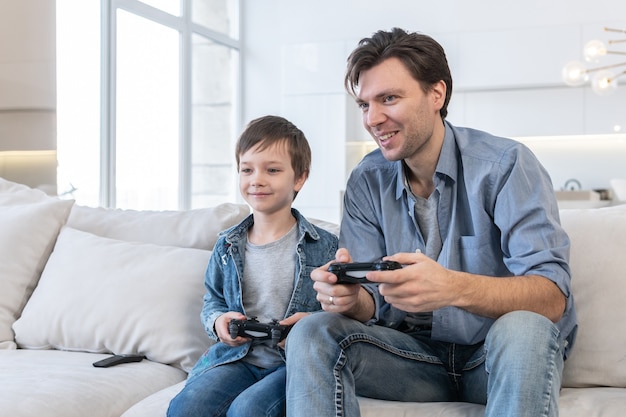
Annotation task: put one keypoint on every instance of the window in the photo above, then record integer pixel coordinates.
(149, 120)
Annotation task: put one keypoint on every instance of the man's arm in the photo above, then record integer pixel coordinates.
(424, 285)
(493, 297)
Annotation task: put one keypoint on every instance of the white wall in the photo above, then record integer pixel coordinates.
(28, 92)
(27, 75)
(506, 61)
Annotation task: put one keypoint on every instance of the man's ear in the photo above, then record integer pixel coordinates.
(438, 91)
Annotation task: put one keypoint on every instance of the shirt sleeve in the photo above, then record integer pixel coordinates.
(526, 212)
(360, 233)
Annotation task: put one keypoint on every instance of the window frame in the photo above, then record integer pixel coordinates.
(108, 113)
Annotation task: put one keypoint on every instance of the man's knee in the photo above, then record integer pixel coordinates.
(316, 325)
(517, 323)
(522, 334)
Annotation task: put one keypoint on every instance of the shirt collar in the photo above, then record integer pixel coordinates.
(447, 164)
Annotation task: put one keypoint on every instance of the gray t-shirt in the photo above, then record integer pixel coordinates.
(268, 278)
(426, 215)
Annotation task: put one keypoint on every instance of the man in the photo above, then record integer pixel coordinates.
(482, 311)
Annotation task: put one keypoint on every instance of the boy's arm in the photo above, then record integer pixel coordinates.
(214, 304)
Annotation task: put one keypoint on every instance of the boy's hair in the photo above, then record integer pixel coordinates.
(422, 55)
(269, 130)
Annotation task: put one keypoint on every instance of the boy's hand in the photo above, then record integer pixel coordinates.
(221, 328)
(290, 321)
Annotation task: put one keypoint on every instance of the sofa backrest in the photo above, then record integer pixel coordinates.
(196, 228)
(105, 280)
(598, 264)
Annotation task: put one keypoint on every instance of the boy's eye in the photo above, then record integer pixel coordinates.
(245, 170)
(273, 170)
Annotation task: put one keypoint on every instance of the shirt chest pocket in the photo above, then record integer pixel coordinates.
(480, 254)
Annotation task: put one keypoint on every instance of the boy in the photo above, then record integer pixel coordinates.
(259, 268)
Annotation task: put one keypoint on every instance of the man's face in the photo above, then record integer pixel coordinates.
(398, 114)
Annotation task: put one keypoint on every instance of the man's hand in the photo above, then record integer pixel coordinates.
(421, 285)
(349, 299)
(424, 285)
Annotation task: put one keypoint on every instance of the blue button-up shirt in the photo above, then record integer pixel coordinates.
(497, 215)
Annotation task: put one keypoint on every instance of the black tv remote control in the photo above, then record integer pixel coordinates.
(117, 360)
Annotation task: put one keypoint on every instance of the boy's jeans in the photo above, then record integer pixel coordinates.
(235, 389)
(331, 359)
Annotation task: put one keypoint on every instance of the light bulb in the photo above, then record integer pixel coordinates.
(574, 73)
(603, 83)
(593, 50)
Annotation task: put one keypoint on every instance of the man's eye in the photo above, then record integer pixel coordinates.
(363, 106)
(387, 99)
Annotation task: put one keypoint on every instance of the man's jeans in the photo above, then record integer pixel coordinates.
(332, 359)
(235, 389)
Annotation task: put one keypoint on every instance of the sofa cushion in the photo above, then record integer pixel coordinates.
(53, 383)
(196, 228)
(155, 405)
(105, 295)
(598, 264)
(29, 223)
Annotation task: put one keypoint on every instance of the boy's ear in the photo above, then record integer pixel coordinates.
(300, 181)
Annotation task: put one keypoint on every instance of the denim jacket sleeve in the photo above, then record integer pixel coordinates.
(222, 282)
(214, 302)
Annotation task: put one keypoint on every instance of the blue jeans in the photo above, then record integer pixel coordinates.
(332, 359)
(236, 389)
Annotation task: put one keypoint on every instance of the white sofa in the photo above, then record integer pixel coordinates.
(77, 283)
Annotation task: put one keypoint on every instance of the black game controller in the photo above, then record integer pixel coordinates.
(252, 328)
(354, 273)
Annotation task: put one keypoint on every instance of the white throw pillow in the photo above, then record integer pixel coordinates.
(104, 295)
(598, 263)
(12, 193)
(29, 224)
(196, 228)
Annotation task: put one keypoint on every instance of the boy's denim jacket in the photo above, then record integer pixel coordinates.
(225, 271)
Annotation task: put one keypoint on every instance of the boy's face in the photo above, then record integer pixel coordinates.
(266, 179)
